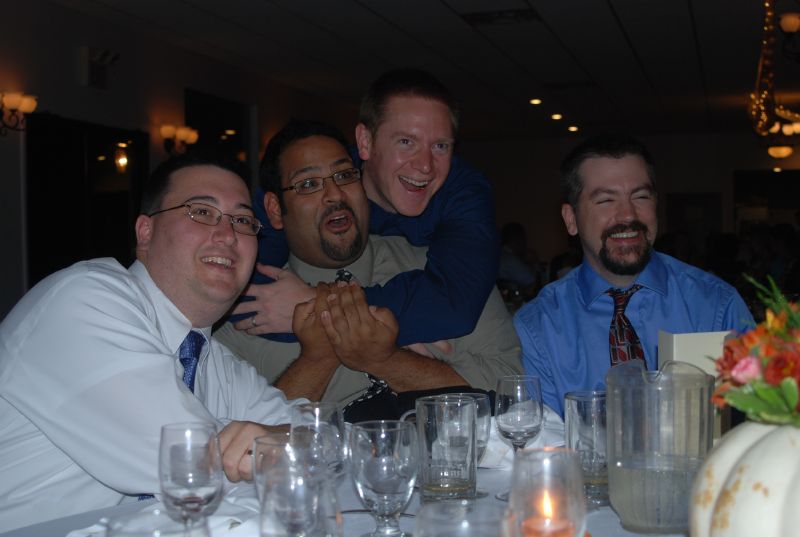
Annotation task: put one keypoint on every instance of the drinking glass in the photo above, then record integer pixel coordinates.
(483, 421)
(154, 523)
(325, 423)
(518, 412)
(585, 433)
(547, 493)
(384, 469)
(483, 428)
(459, 518)
(190, 471)
(268, 451)
(297, 502)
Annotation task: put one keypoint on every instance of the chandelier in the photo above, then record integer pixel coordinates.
(778, 126)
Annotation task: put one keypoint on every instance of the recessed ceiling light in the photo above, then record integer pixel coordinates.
(556, 116)
(572, 128)
(777, 170)
(230, 132)
(101, 158)
(122, 144)
(535, 101)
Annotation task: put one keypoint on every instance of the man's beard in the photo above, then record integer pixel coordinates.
(621, 267)
(343, 253)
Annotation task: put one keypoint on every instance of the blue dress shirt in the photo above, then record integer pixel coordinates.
(446, 299)
(564, 330)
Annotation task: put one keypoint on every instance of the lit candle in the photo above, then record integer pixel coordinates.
(547, 525)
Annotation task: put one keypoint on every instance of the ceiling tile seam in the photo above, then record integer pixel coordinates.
(636, 57)
(259, 34)
(700, 63)
(580, 65)
(356, 45)
(492, 88)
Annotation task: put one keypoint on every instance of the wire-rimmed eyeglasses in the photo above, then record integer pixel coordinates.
(211, 216)
(310, 185)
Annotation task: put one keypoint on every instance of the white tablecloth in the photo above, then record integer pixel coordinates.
(240, 504)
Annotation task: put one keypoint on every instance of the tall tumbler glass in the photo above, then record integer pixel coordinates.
(585, 423)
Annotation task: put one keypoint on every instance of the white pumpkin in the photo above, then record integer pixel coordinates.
(749, 484)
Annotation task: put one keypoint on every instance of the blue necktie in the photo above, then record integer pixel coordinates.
(189, 354)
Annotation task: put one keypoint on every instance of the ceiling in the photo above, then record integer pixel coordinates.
(647, 66)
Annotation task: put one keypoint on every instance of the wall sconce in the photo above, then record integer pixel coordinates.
(13, 107)
(177, 138)
(121, 157)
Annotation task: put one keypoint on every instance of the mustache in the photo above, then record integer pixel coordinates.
(340, 206)
(636, 225)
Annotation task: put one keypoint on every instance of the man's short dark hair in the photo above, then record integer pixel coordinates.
(409, 83)
(296, 129)
(158, 184)
(603, 145)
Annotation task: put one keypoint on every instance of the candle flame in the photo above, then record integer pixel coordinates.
(547, 505)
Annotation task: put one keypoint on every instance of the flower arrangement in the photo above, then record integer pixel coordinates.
(759, 371)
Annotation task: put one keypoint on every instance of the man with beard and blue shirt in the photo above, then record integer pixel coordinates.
(611, 307)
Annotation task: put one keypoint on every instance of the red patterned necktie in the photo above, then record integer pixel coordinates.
(623, 343)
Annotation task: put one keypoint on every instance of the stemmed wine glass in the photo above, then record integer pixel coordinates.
(518, 412)
(190, 471)
(384, 468)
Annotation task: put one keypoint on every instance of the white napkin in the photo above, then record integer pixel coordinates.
(499, 453)
(236, 515)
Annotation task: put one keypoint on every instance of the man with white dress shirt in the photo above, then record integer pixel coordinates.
(92, 358)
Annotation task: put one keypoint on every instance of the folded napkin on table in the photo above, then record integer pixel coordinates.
(236, 515)
(499, 453)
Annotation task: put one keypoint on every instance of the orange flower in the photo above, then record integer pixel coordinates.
(776, 323)
(717, 398)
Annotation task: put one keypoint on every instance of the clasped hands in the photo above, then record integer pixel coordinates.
(338, 324)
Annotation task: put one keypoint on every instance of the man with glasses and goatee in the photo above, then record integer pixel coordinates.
(97, 357)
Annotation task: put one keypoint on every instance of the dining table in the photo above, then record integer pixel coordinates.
(237, 514)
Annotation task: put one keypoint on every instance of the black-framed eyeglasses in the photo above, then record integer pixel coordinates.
(315, 184)
(211, 216)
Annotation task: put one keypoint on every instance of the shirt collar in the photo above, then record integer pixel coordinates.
(591, 285)
(172, 324)
(361, 268)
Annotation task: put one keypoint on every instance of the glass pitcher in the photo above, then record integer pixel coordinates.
(659, 429)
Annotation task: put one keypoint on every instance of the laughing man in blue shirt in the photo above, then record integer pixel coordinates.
(609, 186)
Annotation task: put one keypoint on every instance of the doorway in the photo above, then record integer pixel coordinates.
(83, 187)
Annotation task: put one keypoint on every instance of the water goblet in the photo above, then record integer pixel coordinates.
(190, 471)
(519, 412)
(547, 493)
(384, 469)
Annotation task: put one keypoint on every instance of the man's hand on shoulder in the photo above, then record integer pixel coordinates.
(274, 302)
(236, 443)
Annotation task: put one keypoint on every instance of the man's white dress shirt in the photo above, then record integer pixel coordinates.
(89, 372)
